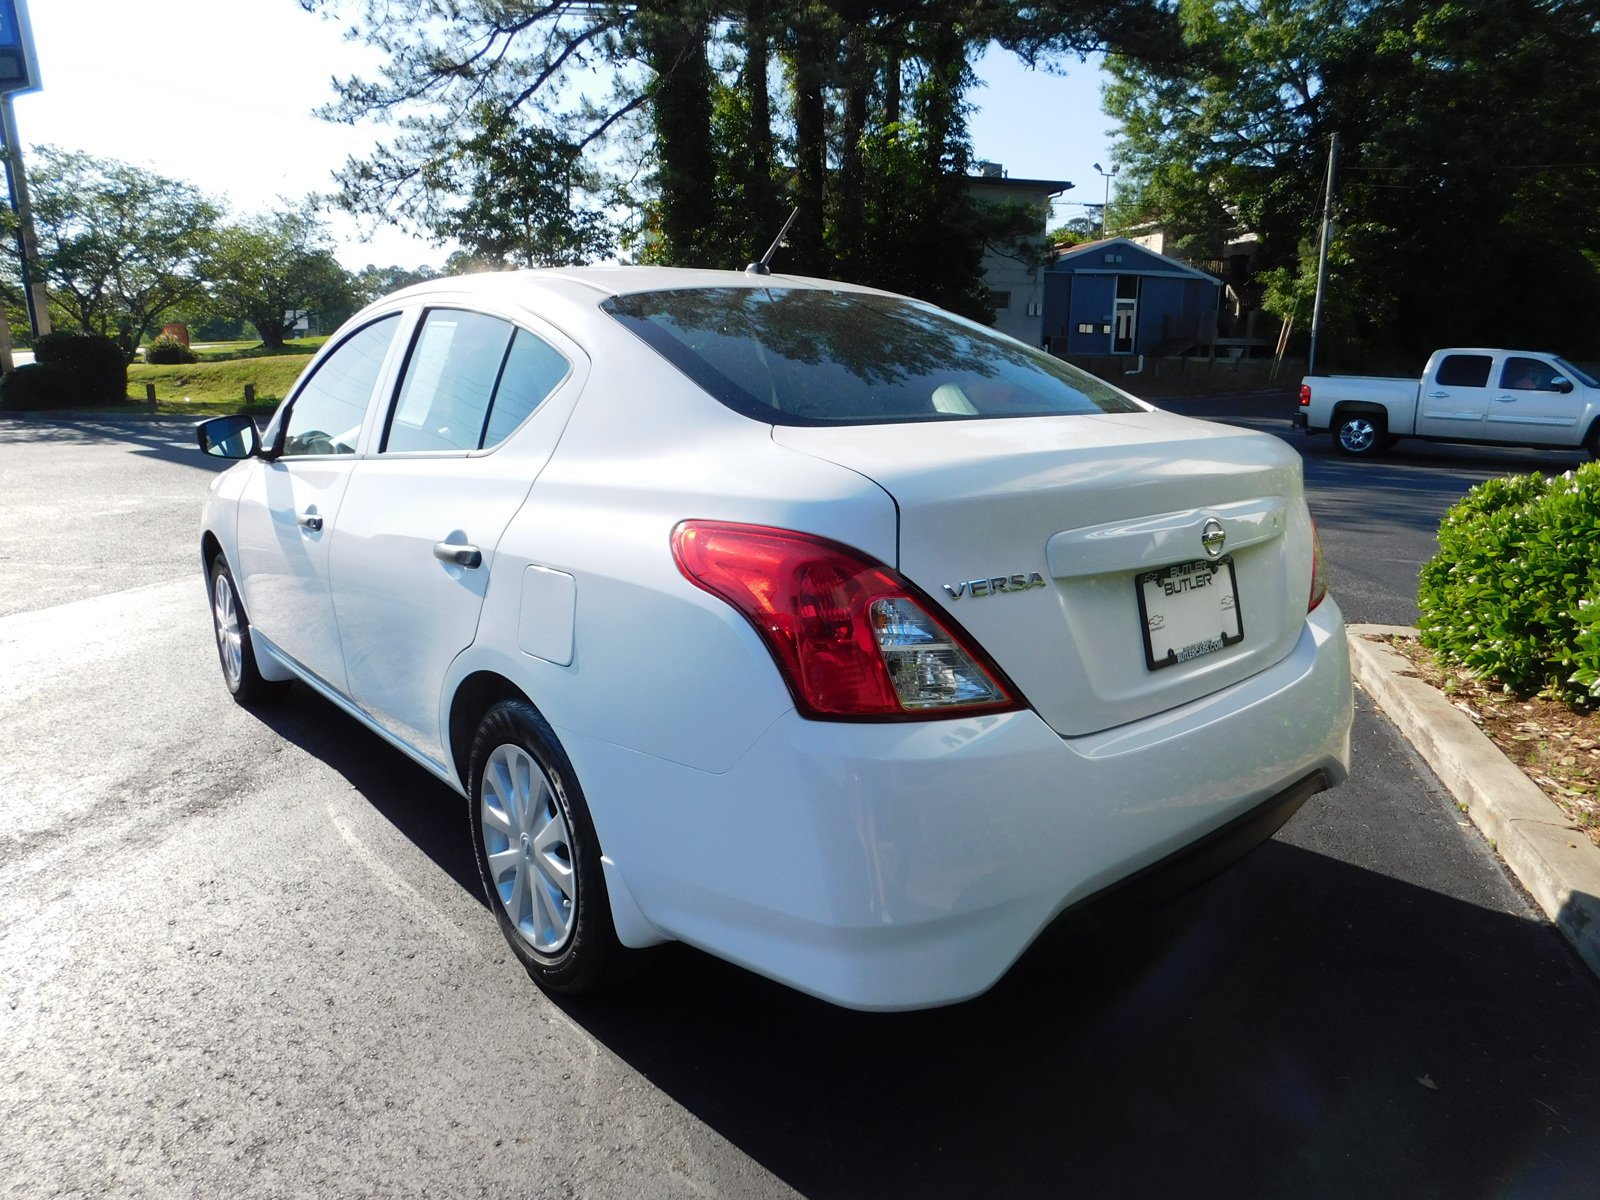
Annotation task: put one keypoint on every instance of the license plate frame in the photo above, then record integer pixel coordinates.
(1178, 617)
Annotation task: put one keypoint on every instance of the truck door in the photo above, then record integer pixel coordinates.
(1455, 400)
(1528, 404)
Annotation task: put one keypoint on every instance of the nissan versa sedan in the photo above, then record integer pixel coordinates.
(807, 624)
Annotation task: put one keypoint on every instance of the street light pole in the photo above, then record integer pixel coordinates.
(1104, 208)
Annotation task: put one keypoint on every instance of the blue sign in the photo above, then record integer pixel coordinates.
(19, 70)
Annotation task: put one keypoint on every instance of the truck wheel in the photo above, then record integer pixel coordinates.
(1360, 434)
(1593, 444)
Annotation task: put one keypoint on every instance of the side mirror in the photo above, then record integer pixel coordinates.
(229, 437)
(1561, 384)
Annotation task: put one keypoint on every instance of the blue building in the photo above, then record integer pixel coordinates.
(1117, 297)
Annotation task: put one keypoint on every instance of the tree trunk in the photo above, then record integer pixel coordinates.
(273, 333)
(809, 253)
(676, 47)
(849, 220)
(763, 218)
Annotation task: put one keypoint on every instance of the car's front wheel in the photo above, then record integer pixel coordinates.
(235, 648)
(1360, 434)
(537, 852)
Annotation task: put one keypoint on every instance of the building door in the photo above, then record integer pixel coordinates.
(1125, 315)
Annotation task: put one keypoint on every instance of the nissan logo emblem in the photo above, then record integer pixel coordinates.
(1212, 537)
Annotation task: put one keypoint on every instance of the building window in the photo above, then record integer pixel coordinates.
(1000, 301)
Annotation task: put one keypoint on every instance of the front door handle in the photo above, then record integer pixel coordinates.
(1506, 399)
(1437, 395)
(309, 520)
(458, 555)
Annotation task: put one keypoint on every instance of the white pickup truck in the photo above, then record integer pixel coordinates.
(1509, 397)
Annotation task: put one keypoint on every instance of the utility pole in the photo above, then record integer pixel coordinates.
(33, 290)
(1322, 257)
(19, 72)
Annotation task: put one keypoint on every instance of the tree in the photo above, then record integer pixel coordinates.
(118, 245)
(272, 267)
(726, 107)
(1467, 155)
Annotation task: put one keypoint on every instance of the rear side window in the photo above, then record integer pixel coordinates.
(1465, 370)
(808, 357)
(470, 379)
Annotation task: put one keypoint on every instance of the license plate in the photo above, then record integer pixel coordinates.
(1188, 609)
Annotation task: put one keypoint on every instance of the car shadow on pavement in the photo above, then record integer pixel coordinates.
(1300, 1027)
(429, 814)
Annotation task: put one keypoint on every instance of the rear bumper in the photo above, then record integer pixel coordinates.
(904, 866)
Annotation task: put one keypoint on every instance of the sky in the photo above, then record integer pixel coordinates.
(220, 94)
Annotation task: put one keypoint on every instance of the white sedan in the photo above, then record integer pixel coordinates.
(804, 623)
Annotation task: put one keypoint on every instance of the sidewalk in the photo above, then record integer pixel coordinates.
(1558, 866)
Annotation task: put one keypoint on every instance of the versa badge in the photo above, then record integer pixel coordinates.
(998, 583)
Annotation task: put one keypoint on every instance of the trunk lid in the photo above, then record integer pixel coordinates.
(1037, 536)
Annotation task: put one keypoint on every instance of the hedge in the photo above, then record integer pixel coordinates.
(1514, 593)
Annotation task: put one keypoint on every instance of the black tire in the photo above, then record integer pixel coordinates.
(1593, 444)
(235, 648)
(1361, 434)
(549, 892)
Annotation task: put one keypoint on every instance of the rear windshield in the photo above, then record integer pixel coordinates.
(807, 357)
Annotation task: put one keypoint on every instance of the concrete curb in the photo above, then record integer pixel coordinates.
(1559, 866)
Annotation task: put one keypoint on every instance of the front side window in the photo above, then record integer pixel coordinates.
(326, 415)
(1527, 375)
(812, 357)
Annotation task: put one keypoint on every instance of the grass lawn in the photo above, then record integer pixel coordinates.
(216, 384)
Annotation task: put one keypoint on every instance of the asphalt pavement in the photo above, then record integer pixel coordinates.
(243, 952)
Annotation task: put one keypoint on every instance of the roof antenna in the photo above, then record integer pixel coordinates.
(761, 268)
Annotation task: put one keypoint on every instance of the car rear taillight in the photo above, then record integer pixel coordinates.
(850, 636)
(1305, 395)
(1319, 571)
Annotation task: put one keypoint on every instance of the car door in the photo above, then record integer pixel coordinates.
(422, 516)
(1528, 404)
(1455, 399)
(288, 508)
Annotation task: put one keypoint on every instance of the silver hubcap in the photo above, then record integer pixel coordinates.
(528, 847)
(230, 635)
(1358, 434)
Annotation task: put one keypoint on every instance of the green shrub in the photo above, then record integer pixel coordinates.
(42, 385)
(95, 359)
(168, 350)
(1514, 592)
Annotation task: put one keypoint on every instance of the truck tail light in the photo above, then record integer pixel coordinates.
(1319, 571)
(852, 638)
(1305, 395)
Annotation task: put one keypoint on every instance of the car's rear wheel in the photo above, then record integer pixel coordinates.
(235, 648)
(1593, 444)
(1360, 434)
(537, 852)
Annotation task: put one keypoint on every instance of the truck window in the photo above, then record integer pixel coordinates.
(1464, 370)
(1526, 375)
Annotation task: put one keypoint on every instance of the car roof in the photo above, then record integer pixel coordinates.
(615, 280)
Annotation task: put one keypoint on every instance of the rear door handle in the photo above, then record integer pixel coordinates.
(309, 520)
(458, 555)
(1437, 395)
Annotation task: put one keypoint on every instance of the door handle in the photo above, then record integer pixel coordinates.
(1437, 395)
(458, 555)
(309, 520)
(1506, 399)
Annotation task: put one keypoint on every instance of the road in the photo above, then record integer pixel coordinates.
(245, 952)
